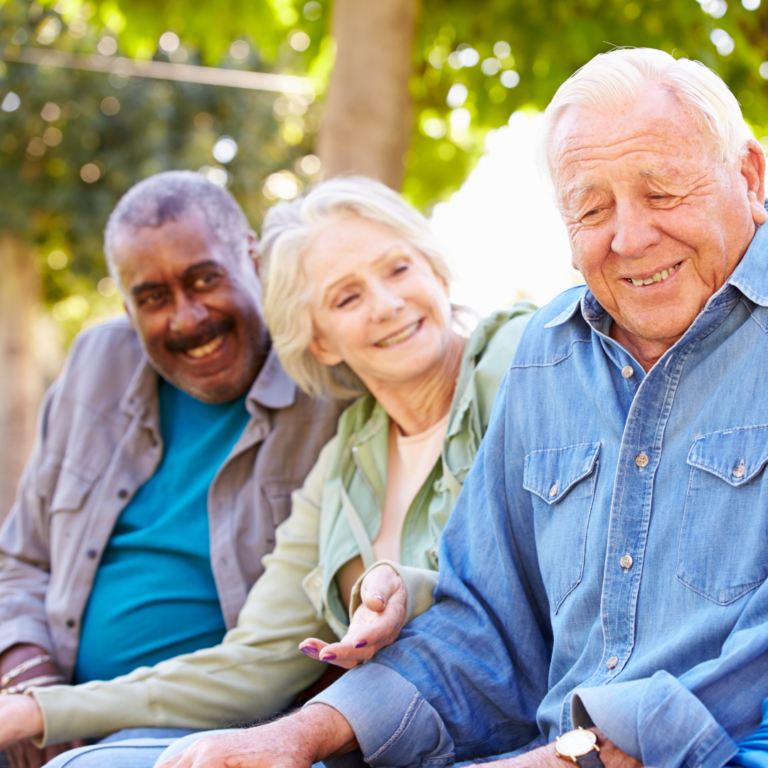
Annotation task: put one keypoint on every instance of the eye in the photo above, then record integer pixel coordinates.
(345, 301)
(204, 281)
(150, 299)
(400, 268)
(593, 212)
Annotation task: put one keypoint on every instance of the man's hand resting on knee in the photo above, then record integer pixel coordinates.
(295, 741)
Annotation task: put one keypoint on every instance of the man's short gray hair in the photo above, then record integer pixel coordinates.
(288, 232)
(167, 197)
(611, 80)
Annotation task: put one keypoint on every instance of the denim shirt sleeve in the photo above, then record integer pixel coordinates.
(686, 721)
(465, 678)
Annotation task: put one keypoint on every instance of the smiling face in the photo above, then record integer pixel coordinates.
(377, 304)
(195, 304)
(657, 222)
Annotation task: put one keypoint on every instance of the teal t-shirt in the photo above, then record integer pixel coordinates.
(154, 595)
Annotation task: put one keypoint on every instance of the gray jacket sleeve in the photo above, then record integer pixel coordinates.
(24, 549)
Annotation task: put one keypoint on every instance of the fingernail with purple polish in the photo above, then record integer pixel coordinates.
(361, 644)
(379, 597)
(309, 651)
(328, 657)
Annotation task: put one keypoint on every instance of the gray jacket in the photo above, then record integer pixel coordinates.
(98, 442)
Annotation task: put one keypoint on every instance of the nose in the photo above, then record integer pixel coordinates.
(187, 315)
(384, 303)
(635, 232)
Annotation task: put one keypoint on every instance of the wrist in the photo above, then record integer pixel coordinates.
(324, 731)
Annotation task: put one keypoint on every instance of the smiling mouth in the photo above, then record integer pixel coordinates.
(406, 333)
(659, 277)
(207, 349)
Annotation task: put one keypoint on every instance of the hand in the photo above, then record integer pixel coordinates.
(545, 757)
(20, 718)
(296, 741)
(25, 754)
(376, 624)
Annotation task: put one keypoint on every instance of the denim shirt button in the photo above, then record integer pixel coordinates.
(641, 460)
(612, 662)
(553, 491)
(627, 371)
(626, 562)
(739, 471)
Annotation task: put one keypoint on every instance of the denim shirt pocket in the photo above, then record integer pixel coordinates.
(723, 537)
(562, 481)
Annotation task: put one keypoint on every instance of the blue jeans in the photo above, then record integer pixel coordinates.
(130, 748)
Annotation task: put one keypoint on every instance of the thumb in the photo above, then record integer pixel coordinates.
(378, 587)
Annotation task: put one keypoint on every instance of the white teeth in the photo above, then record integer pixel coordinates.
(402, 336)
(659, 277)
(206, 349)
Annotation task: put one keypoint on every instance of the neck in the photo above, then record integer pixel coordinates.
(647, 352)
(415, 406)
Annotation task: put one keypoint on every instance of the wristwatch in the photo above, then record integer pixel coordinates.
(580, 747)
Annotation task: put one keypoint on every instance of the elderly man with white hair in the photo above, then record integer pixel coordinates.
(602, 594)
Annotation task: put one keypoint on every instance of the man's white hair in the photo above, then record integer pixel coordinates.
(288, 232)
(611, 80)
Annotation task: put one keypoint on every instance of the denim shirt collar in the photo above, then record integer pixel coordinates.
(750, 277)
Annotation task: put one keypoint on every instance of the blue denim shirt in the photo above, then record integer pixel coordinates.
(606, 560)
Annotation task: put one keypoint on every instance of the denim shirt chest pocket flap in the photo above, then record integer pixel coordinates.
(562, 481)
(723, 549)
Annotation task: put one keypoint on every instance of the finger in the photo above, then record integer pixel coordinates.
(172, 762)
(312, 646)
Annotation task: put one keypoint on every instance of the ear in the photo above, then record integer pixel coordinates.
(322, 353)
(753, 172)
(254, 251)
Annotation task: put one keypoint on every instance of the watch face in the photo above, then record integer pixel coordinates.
(576, 743)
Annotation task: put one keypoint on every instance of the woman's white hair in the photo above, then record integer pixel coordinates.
(611, 80)
(288, 232)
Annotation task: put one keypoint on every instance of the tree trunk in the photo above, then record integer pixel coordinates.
(20, 381)
(368, 118)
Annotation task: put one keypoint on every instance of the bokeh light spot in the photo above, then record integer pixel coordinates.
(57, 260)
(50, 112)
(110, 106)
(457, 95)
(11, 102)
(310, 164)
(239, 50)
(90, 172)
(107, 287)
(107, 46)
(225, 150)
(510, 79)
(300, 41)
(168, 42)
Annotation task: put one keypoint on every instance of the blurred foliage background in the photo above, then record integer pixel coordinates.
(72, 142)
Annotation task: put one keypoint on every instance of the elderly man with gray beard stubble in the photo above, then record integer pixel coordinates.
(602, 594)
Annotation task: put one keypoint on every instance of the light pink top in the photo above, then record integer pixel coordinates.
(411, 459)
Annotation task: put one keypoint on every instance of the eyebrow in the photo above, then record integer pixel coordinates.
(374, 263)
(153, 286)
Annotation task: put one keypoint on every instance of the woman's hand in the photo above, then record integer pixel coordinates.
(376, 624)
(20, 718)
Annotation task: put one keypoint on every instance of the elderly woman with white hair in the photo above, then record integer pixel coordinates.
(357, 302)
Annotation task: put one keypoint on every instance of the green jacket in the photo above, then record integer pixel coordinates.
(257, 670)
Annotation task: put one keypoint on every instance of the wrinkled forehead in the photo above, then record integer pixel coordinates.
(651, 137)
